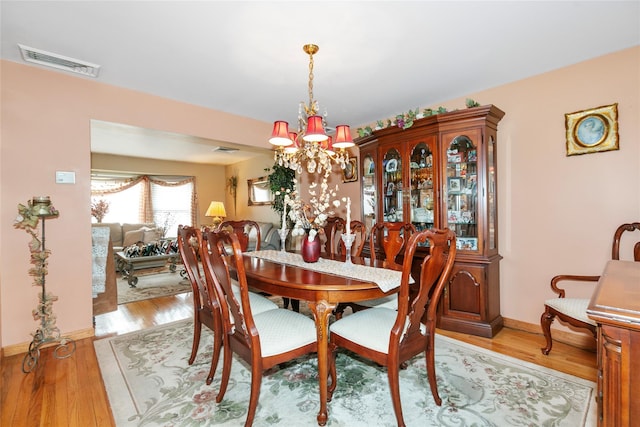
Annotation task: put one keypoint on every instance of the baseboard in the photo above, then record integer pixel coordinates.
(579, 340)
(11, 350)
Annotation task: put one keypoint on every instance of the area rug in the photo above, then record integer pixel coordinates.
(154, 285)
(149, 383)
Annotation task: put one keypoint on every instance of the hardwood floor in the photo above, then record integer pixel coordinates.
(70, 392)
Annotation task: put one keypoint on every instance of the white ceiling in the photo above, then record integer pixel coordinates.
(376, 59)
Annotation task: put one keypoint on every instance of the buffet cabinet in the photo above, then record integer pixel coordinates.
(442, 172)
(615, 306)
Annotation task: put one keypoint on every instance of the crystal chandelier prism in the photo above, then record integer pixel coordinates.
(310, 145)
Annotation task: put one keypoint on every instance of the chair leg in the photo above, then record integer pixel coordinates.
(226, 369)
(332, 372)
(545, 322)
(295, 304)
(338, 312)
(394, 387)
(431, 372)
(197, 329)
(256, 380)
(217, 345)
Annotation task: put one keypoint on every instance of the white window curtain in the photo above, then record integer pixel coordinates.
(167, 201)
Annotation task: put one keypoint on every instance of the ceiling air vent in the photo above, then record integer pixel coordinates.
(225, 149)
(54, 60)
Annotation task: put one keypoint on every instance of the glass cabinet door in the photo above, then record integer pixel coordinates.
(421, 182)
(392, 186)
(491, 193)
(462, 191)
(368, 190)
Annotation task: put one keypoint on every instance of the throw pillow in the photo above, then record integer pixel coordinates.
(132, 237)
(151, 235)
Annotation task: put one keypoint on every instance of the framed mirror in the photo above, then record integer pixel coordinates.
(259, 191)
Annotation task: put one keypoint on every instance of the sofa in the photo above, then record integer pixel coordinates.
(123, 235)
(270, 239)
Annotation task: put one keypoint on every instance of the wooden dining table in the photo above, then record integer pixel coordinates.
(322, 291)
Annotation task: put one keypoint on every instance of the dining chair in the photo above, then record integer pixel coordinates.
(574, 310)
(205, 304)
(243, 229)
(389, 238)
(392, 337)
(332, 230)
(262, 340)
(386, 238)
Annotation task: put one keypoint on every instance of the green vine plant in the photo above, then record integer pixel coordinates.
(281, 179)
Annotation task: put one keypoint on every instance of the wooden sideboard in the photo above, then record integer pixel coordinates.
(615, 306)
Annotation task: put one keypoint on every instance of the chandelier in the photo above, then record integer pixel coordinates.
(310, 144)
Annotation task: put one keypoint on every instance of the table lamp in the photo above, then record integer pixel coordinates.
(216, 210)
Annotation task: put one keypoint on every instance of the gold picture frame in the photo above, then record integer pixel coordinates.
(593, 130)
(350, 172)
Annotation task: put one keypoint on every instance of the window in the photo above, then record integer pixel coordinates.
(171, 206)
(167, 201)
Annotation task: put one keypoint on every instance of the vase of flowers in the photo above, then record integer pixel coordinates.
(309, 217)
(99, 209)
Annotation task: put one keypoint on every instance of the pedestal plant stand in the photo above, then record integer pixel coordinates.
(37, 211)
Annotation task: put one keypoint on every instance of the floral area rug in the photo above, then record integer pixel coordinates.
(152, 285)
(149, 383)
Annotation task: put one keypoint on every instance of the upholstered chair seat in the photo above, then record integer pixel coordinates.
(370, 328)
(283, 330)
(574, 307)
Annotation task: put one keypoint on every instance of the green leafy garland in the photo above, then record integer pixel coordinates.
(405, 120)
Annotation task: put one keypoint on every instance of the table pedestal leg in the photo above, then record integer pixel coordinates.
(321, 311)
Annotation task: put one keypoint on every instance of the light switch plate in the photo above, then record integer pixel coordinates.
(63, 177)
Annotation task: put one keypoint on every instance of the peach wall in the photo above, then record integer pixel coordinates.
(556, 213)
(46, 127)
(253, 168)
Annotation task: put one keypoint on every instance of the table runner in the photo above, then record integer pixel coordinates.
(385, 279)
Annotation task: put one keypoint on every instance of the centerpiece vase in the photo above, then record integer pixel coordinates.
(310, 249)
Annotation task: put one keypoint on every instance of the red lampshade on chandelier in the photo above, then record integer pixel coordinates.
(310, 143)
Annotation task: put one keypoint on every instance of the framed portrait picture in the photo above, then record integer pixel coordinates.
(455, 185)
(350, 171)
(592, 131)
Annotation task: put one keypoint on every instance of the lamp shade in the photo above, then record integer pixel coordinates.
(327, 145)
(315, 130)
(294, 146)
(343, 137)
(280, 134)
(216, 209)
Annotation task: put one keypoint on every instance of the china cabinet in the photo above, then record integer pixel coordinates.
(442, 172)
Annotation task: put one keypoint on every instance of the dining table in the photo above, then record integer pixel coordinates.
(323, 285)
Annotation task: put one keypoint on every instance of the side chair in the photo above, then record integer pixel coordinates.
(243, 229)
(388, 238)
(392, 337)
(574, 310)
(332, 230)
(205, 304)
(262, 340)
